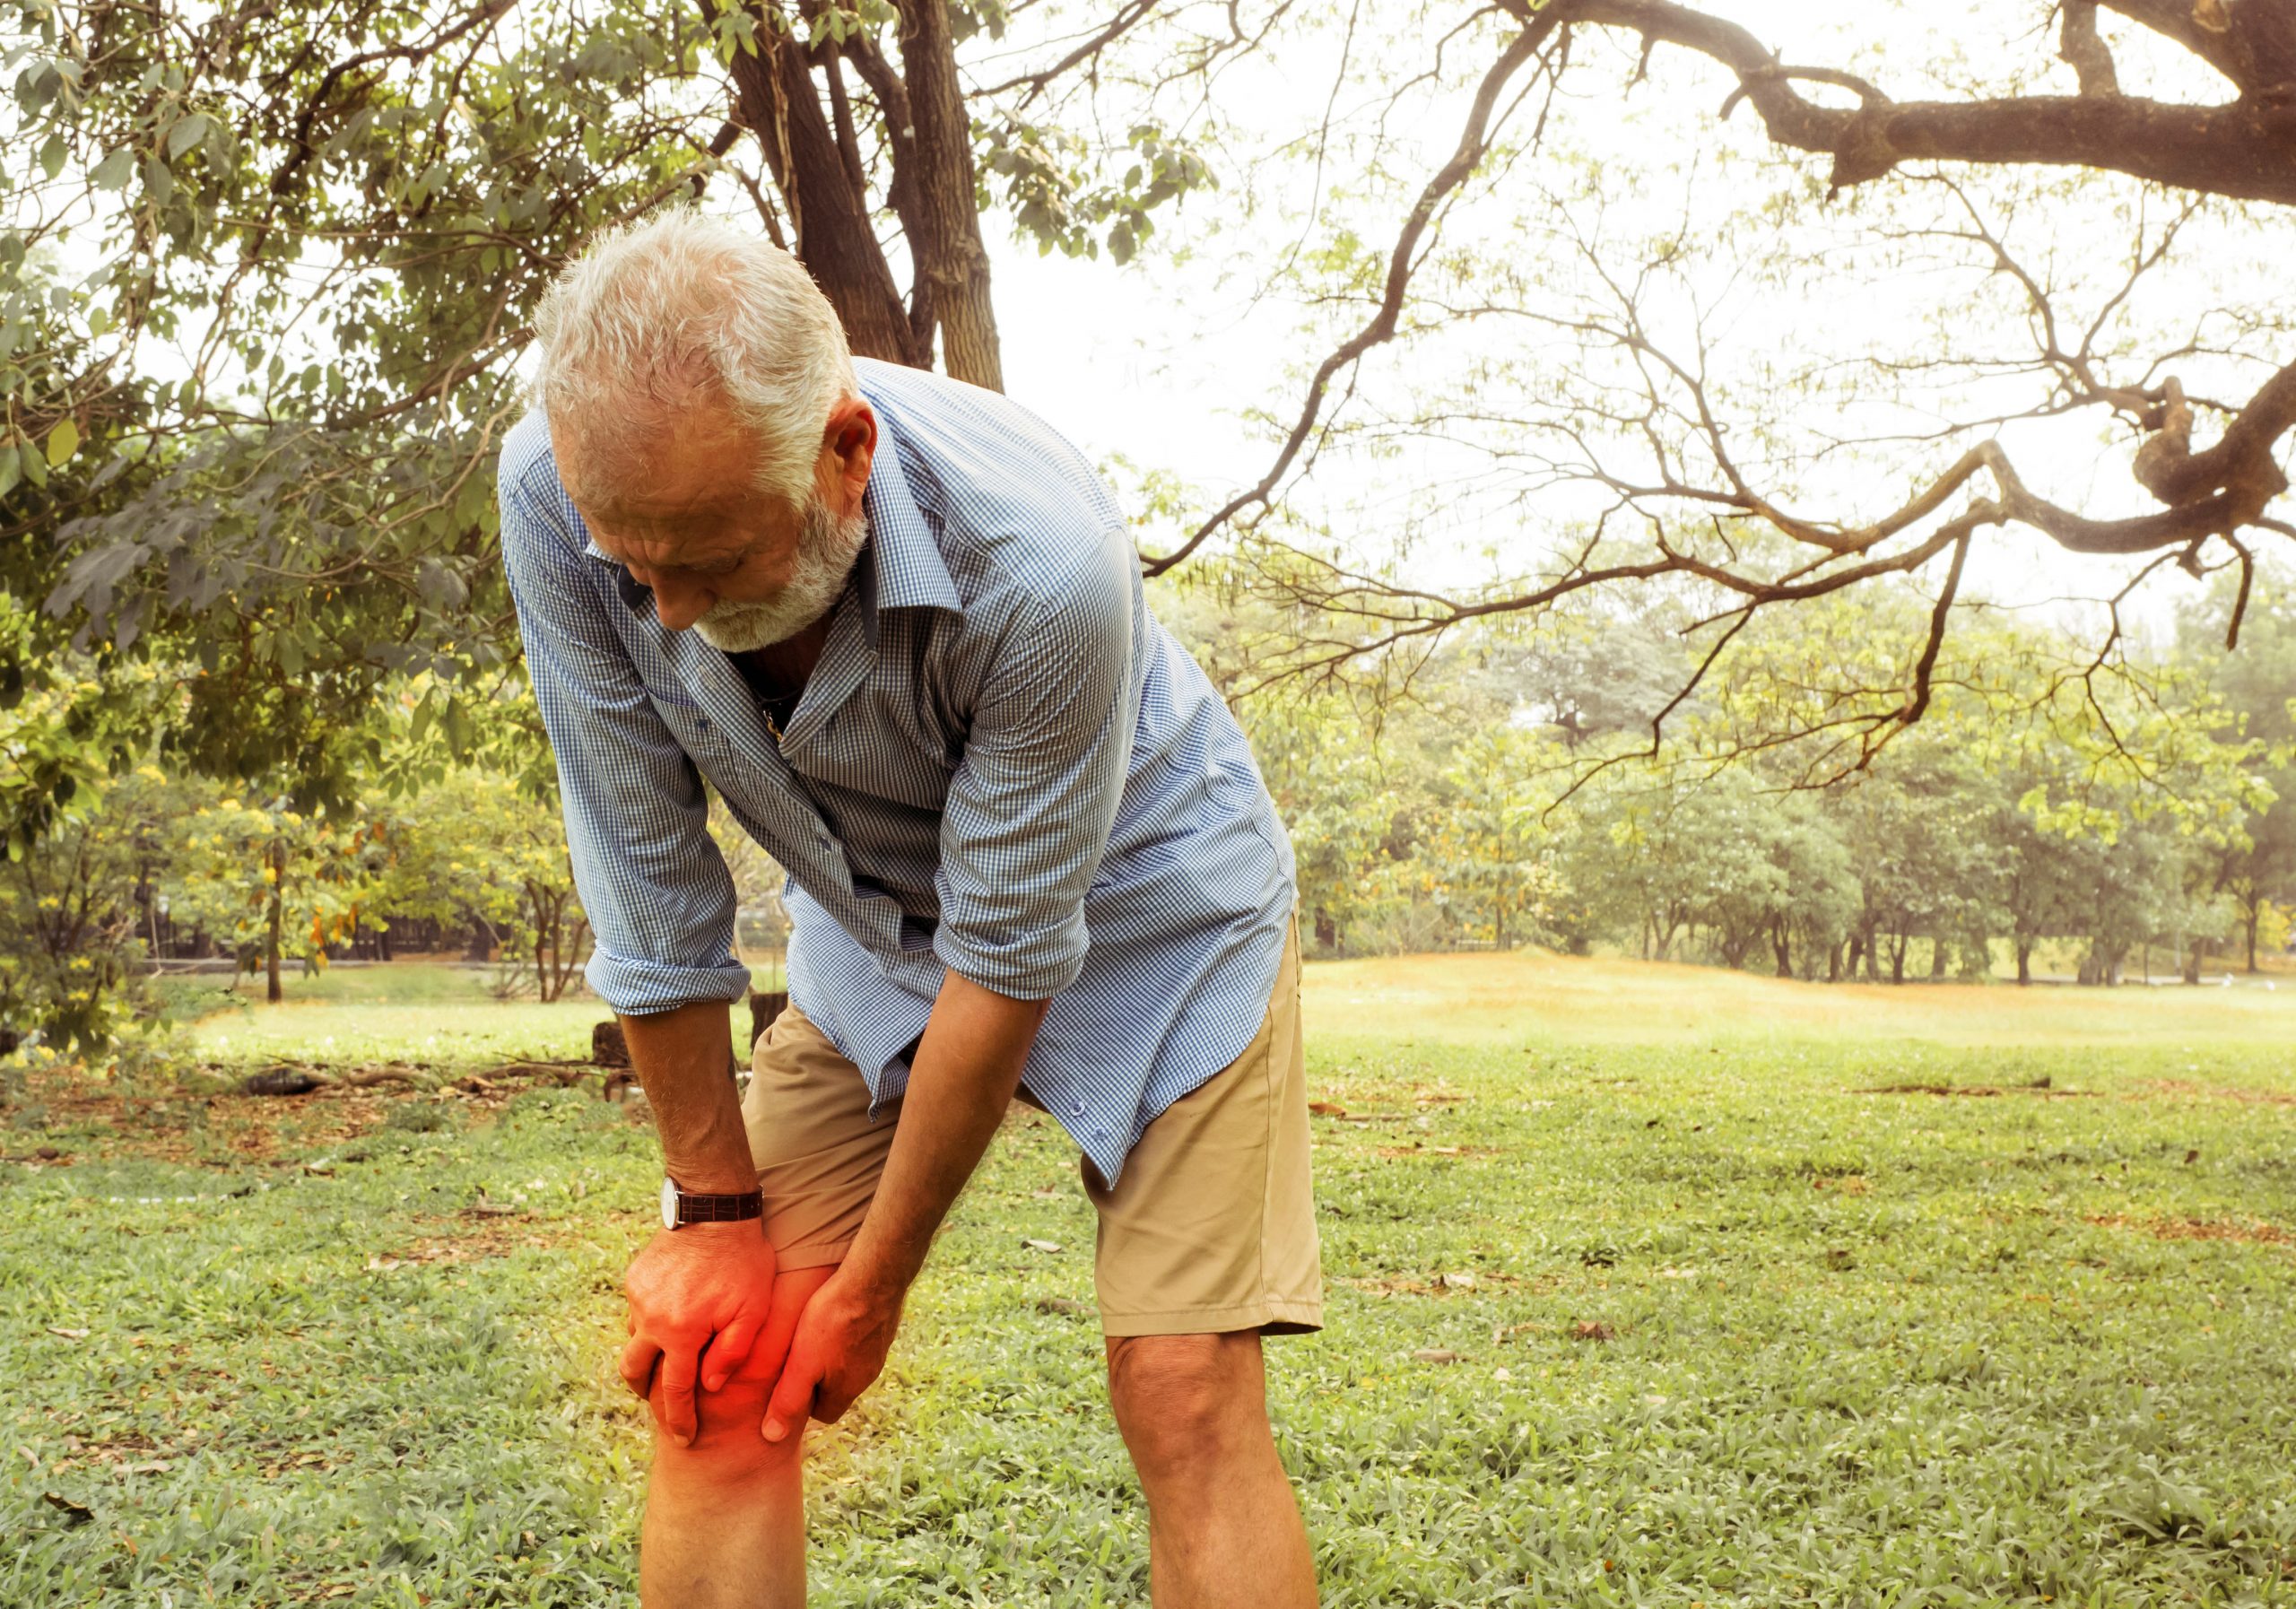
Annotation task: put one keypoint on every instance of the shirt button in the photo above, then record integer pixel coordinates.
(1077, 1110)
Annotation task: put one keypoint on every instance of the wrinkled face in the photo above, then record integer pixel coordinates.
(734, 562)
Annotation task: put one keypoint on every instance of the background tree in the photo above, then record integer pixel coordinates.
(2256, 866)
(264, 280)
(1806, 351)
(79, 908)
(479, 852)
(273, 883)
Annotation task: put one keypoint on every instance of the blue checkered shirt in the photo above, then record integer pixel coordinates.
(1001, 765)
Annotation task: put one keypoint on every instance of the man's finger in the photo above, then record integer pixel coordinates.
(792, 1292)
(793, 1394)
(636, 1366)
(727, 1350)
(676, 1408)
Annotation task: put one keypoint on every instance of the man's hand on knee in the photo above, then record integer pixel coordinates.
(838, 1350)
(700, 1301)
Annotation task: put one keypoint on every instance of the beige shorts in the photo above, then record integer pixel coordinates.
(1210, 1227)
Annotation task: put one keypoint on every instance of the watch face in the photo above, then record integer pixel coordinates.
(669, 1203)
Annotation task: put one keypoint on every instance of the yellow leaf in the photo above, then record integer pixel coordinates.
(63, 441)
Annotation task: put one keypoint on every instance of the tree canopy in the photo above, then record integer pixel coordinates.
(1673, 331)
(266, 277)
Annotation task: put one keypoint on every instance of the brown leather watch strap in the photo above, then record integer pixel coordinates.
(718, 1209)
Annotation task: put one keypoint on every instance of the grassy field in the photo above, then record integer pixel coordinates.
(1648, 1286)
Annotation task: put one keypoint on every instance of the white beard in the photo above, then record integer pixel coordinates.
(827, 548)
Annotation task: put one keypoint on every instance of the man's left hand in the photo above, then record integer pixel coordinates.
(840, 1348)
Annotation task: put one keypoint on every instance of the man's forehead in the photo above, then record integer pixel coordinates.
(635, 537)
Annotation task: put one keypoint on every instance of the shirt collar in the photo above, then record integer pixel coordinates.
(906, 562)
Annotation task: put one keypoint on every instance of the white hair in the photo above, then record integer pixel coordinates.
(653, 312)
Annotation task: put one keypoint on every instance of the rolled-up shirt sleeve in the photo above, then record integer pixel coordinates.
(1030, 809)
(659, 900)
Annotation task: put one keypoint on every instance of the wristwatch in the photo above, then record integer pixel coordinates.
(682, 1207)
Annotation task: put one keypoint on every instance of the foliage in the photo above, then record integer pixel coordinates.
(2255, 867)
(271, 883)
(76, 908)
(1494, 788)
(1560, 331)
(265, 282)
(477, 847)
(67, 721)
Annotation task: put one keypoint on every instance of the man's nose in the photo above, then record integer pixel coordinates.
(677, 605)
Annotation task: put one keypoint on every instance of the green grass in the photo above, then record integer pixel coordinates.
(1845, 1348)
(418, 1010)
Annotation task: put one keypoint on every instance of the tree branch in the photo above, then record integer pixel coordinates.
(2246, 150)
(2081, 48)
(2251, 42)
(1465, 157)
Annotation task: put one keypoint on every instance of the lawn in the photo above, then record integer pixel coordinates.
(1648, 1286)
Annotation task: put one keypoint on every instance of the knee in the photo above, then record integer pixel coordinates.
(727, 1450)
(1181, 1400)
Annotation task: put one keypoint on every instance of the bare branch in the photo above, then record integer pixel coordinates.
(2081, 46)
(1401, 262)
(2251, 42)
(1128, 16)
(2246, 150)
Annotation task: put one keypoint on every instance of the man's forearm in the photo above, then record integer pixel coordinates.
(964, 1078)
(681, 1058)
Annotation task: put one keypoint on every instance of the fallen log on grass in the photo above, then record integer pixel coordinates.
(286, 1078)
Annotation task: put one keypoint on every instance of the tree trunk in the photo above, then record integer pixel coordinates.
(1781, 946)
(1938, 951)
(277, 855)
(829, 213)
(1833, 958)
(2025, 960)
(952, 264)
(1900, 942)
(2255, 911)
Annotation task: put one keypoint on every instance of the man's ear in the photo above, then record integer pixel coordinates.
(850, 443)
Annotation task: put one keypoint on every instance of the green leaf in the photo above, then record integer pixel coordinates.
(63, 441)
(111, 173)
(10, 470)
(51, 155)
(187, 133)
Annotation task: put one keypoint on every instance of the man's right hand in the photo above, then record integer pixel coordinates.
(699, 1298)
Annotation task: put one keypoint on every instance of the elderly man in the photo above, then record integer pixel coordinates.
(897, 622)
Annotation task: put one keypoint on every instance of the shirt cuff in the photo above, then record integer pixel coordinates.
(1036, 967)
(639, 988)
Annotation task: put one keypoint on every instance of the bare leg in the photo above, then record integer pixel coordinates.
(726, 1517)
(1223, 1528)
